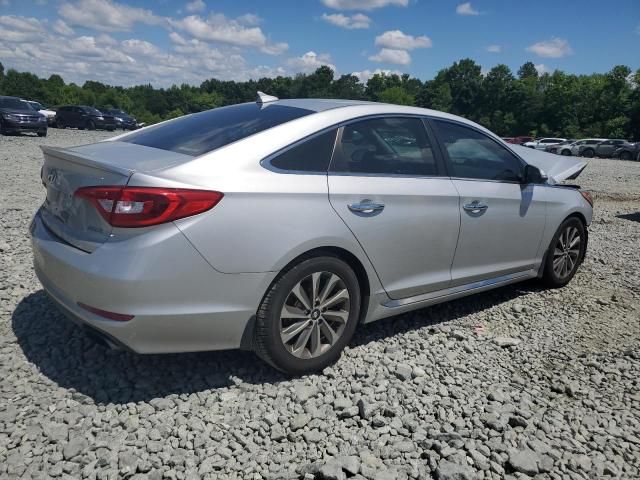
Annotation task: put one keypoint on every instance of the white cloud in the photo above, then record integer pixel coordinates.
(62, 28)
(363, 4)
(541, 68)
(23, 24)
(494, 48)
(396, 39)
(390, 55)
(196, 6)
(365, 75)
(139, 47)
(105, 15)
(249, 19)
(350, 22)
(466, 9)
(554, 48)
(310, 61)
(218, 28)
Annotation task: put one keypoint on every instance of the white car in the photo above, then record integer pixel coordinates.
(49, 114)
(543, 143)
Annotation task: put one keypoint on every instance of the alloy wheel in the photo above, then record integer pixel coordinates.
(566, 252)
(314, 315)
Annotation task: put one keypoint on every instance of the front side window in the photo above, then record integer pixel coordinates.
(475, 155)
(385, 146)
(312, 155)
(203, 132)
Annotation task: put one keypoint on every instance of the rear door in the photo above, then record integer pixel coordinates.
(388, 184)
(501, 220)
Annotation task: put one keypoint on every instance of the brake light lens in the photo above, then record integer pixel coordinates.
(587, 196)
(132, 207)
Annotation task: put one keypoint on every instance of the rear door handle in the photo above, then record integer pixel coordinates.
(475, 207)
(366, 206)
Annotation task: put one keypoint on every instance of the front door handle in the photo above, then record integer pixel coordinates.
(366, 206)
(475, 207)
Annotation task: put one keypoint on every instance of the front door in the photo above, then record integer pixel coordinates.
(388, 185)
(501, 219)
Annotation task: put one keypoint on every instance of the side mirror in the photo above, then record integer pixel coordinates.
(533, 174)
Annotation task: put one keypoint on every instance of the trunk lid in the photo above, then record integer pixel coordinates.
(75, 220)
(557, 167)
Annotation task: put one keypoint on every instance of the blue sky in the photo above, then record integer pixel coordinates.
(162, 42)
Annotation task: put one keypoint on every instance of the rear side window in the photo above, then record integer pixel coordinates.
(385, 146)
(204, 132)
(311, 155)
(475, 155)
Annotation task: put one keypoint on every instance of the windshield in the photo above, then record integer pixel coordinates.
(203, 132)
(14, 103)
(36, 105)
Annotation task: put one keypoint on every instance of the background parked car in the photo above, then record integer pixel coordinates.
(562, 148)
(122, 118)
(518, 140)
(82, 116)
(542, 143)
(17, 116)
(627, 151)
(603, 149)
(47, 112)
(586, 143)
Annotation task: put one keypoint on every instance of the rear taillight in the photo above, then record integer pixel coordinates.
(587, 196)
(145, 206)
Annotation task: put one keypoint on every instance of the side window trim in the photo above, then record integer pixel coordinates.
(439, 161)
(266, 161)
(445, 154)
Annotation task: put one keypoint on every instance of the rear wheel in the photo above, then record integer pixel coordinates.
(60, 124)
(3, 130)
(42, 133)
(565, 253)
(308, 316)
(625, 155)
(589, 153)
(566, 152)
(91, 125)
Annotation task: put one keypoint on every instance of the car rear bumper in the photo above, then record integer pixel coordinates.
(179, 302)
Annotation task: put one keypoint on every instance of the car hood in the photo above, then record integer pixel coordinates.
(18, 111)
(557, 167)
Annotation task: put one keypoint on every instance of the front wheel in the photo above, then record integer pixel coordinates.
(42, 133)
(565, 253)
(566, 153)
(3, 130)
(91, 125)
(589, 153)
(625, 155)
(308, 316)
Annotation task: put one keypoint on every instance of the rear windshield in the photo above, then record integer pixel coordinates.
(204, 132)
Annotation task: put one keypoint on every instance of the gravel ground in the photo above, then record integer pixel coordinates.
(514, 383)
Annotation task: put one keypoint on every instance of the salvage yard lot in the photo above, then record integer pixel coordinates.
(518, 381)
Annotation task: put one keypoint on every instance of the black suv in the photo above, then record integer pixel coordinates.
(81, 116)
(123, 119)
(17, 116)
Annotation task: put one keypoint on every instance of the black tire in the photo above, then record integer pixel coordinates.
(566, 153)
(111, 129)
(42, 133)
(589, 153)
(91, 125)
(3, 130)
(268, 343)
(625, 155)
(551, 277)
(60, 124)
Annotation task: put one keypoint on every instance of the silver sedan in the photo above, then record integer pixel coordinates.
(281, 225)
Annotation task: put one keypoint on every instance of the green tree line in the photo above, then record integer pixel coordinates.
(524, 103)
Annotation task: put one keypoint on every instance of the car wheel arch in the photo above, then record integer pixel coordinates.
(343, 254)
